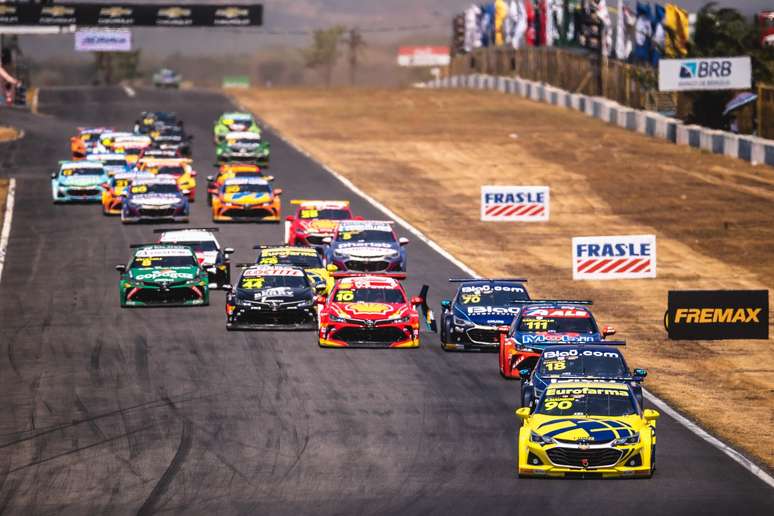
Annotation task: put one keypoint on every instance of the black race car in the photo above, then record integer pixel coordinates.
(154, 120)
(172, 138)
(588, 362)
(270, 297)
(471, 319)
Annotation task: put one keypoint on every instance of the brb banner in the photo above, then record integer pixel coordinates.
(514, 203)
(715, 73)
(614, 257)
(717, 314)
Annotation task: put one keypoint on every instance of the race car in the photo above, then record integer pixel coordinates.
(172, 138)
(304, 257)
(106, 139)
(243, 146)
(271, 296)
(85, 141)
(179, 168)
(587, 430)
(113, 194)
(167, 78)
(112, 162)
(162, 275)
(156, 199)
(153, 120)
(480, 306)
(160, 153)
(246, 199)
(314, 221)
(229, 170)
(233, 122)
(132, 146)
(78, 181)
(370, 311)
(210, 255)
(541, 323)
(589, 361)
(365, 246)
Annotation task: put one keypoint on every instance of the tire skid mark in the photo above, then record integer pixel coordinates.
(94, 362)
(183, 448)
(141, 359)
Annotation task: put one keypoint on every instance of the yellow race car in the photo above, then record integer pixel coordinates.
(305, 257)
(246, 199)
(180, 168)
(587, 429)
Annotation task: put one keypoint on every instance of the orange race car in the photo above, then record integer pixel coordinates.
(248, 199)
(227, 171)
(85, 141)
(177, 167)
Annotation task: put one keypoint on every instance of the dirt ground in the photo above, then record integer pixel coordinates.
(3, 195)
(425, 154)
(8, 134)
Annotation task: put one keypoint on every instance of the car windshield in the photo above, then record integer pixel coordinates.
(369, 295)
(184, 260)
(171, 170)
(159, 188)
(310, 261)
(561, 400)
(114, 162)
(77, 171)
(244, 141)
(324, 213)
(582, 362)
(246, 187)
(203, 246)
(529, 324)
(263, 282)
(133, 151)
(365, 235)
(501, 294)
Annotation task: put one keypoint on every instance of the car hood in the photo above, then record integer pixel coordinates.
(486, 315)
(163, 274)
(81, 180)
(155, 199)
(369, 311)
(319, 226)
(366, 250)
(594, 429)
(282, 294)
(547, 338)
(247, 198)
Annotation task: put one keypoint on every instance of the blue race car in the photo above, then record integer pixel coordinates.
(365, 246)
(471, 320)
(155, 199)
(596, 361)
(541, 323)
(78, 181)
(113, 163)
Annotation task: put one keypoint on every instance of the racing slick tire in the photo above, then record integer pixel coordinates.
(527, 396)
(652, 461)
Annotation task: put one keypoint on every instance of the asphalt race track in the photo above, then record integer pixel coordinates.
(111, 411)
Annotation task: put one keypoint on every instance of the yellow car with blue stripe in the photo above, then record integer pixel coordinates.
(305, 257)
(246, 199)
(588, 430)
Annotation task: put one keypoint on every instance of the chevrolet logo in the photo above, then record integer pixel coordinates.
(7, 9)
(115, 12)
(231, 12)
(58, 10)
(583, 444)
(174, 12)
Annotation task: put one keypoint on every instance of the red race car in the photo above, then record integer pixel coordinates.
(315, 220)
(367, 311)
(545, 323)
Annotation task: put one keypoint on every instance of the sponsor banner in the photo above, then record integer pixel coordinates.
(103, 41)
(132, 15)
(717, 314)
(423, 56)
(236, 81)
(715, 73)
(515, 203)
(614, 257)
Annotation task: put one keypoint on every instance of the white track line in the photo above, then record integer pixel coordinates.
(6, 232)
(658, 402)
(129, 91)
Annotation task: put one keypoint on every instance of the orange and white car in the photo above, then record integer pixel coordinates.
(229, 170)
(180, 168)
(86, 141)
(247, 199)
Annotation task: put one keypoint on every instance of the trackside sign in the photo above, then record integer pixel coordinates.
(715, 73)
(614, 257)
(717, 314)
(103, 41)
(515, 203)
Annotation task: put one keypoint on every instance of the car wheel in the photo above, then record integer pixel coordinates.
(527, 395)
(444, 336)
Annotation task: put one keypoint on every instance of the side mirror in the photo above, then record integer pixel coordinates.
(290, 218)
(193, 173)
(446, 303)
(227, 287)
(650, 415)
(327, 240)
(358, 218)
(523, 413)
(320, 288)
(403, 240)
(189, 137)
(640, 373)
(210, 179)
(504, 329)
(608, 330)
(53, 175)
(320, 300)
(121, 268)
(524, 373)
(278, 191)
(228, 250)
(331, 267)
(416, 300)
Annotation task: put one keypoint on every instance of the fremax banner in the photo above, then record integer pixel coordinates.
(515, 203)
(717, 314)
(614, 257)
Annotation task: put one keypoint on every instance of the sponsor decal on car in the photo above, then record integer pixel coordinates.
(717, 314)
(515, 203)
(614, 257)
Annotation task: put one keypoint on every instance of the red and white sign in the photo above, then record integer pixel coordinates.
(515, 203)
(614, 257)
(423, 56)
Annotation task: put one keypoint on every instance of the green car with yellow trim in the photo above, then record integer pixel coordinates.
(233, 122)
(587, 430)
(305, 257)
(163, 275)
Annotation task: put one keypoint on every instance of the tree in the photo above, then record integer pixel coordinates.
(324, 51)
(356, 43)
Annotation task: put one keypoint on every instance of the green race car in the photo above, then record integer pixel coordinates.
(234, 122)
(243, 147)
(163, 275)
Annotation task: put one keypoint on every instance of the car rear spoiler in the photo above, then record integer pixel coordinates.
(171, 244)
(552, 301)
(245, 265)
(590, 343)
(350, 274)
(465, 280)
(316, 201)
(171, 230)
(269, 246)
(426, 312)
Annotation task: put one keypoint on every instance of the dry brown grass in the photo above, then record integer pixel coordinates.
(3, 195)
(8, 133)
(712, 217)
